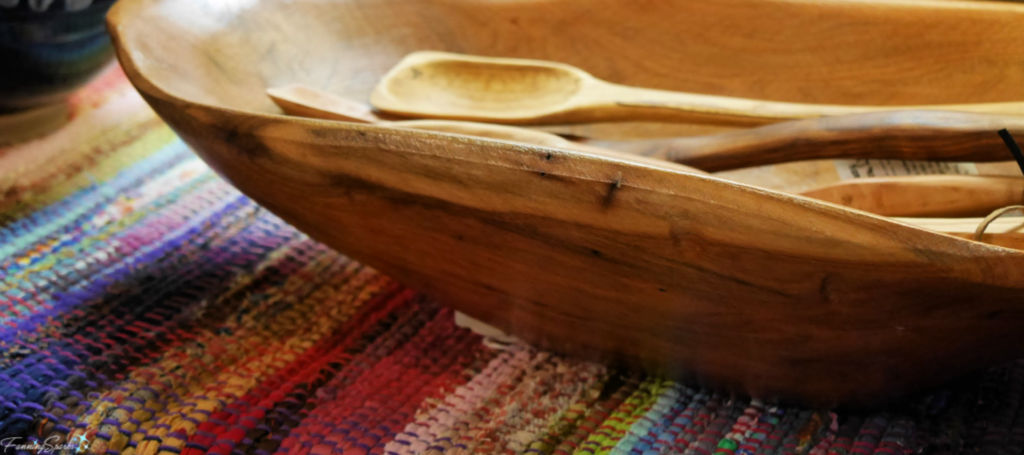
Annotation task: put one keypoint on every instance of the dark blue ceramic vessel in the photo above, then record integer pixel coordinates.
(48, 48)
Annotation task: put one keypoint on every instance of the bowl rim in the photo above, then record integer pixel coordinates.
(123, 10)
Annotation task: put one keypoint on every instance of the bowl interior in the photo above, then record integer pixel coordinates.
(226, 52)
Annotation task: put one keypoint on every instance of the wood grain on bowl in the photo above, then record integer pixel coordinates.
(744, 288)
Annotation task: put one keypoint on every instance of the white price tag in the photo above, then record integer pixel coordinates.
(853, 169)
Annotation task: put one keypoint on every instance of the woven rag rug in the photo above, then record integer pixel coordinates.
(147, 307)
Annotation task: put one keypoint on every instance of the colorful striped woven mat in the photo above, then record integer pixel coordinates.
(146, 307)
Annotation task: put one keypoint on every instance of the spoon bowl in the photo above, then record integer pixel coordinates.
(502, 88)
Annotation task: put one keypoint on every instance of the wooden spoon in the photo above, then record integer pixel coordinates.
(910, 135)
(505, 90)
(924, 195)
(934, 196)
(309, 102)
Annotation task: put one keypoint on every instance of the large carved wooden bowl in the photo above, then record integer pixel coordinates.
(733, 285)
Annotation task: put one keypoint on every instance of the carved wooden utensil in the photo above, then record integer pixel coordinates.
(909, 135)
(744, 288)
(503, 90)
(921, 196)
(925, 195)
(304, 101)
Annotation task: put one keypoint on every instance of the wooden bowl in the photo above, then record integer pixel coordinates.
(737, 286)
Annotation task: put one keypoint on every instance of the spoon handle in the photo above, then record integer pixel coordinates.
(924, 196)
(911, 135)
(602, 100)
(304, 101)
